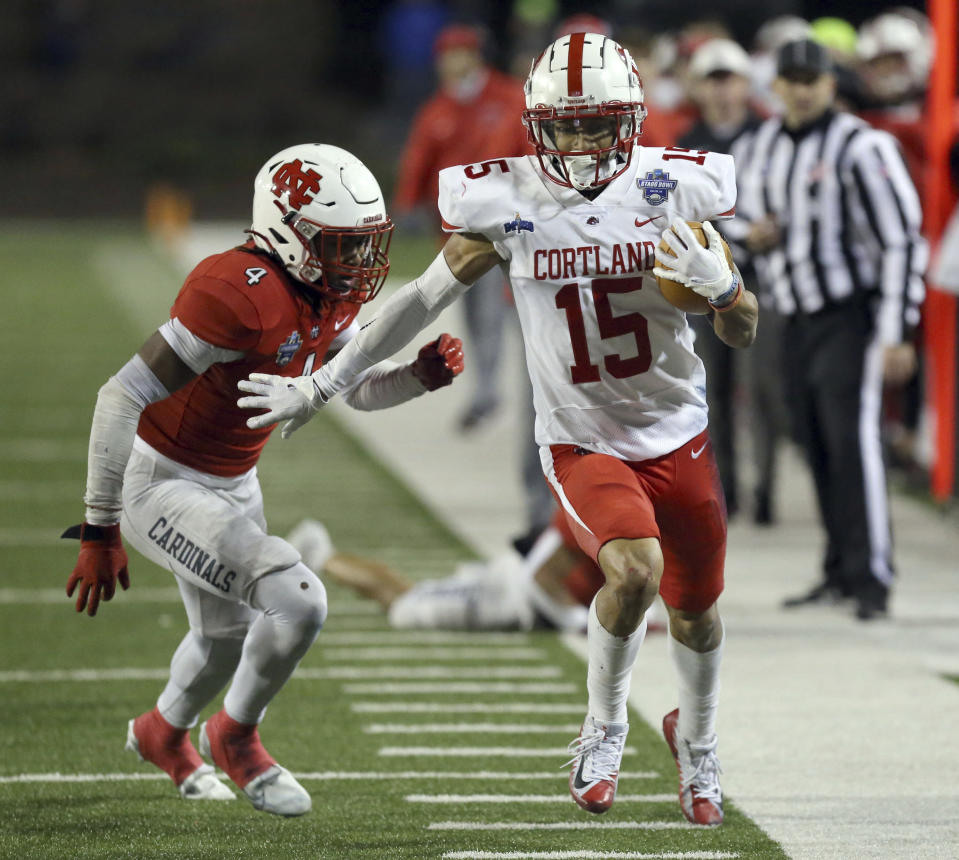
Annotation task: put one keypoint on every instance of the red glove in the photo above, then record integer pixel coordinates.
(439, 361)
(102, 561)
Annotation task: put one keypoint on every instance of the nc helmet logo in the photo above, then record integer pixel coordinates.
(656, 186)
(289, 347)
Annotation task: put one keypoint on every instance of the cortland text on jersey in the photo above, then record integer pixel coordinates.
(588, 260)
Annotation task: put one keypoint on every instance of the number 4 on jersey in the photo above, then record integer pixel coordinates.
(255, 274)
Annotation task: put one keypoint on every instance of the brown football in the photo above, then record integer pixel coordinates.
(680, 296)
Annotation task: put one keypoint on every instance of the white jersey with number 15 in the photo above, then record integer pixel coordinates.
(611, 361)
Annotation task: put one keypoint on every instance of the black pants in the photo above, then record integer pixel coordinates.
(833, 373)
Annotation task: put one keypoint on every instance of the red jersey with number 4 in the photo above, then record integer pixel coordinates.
(611, 361)
(242, 301)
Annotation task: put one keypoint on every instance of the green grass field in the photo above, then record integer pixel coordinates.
(387, 727)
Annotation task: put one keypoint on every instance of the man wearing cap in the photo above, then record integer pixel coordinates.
(719, 84)
(827, 207)
(471, 118)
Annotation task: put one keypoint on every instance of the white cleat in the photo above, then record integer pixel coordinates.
(312, 541)
(203, 784)
(275, 790)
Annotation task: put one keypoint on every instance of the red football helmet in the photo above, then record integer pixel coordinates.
(588, 80)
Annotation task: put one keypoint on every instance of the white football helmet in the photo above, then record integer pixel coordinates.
(897, 33)
(584, 76)
(320, 211)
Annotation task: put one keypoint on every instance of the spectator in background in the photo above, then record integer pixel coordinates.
(719, 76)
(770, 37)
(473, 117)
(895, 51)
(827, 206)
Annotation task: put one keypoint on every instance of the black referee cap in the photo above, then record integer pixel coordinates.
(803, 55)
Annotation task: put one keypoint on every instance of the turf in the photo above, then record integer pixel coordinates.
(66, 334)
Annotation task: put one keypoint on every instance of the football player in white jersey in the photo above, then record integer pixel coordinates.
(618, 390)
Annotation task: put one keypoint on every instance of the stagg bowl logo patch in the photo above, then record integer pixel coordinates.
(656, 186)
(284, 355)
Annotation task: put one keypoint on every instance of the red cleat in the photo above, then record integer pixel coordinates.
(154, 740)
(700, 795)
(597, 754)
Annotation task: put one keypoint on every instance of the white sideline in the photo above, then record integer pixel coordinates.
(467, 728)
(530, 798)
(457, 688)
(564, 825)
(464, 708)
(470, 752)
(350, 775)
(589, 855)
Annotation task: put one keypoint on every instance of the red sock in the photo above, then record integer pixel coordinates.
(166, 746)
(237, 748)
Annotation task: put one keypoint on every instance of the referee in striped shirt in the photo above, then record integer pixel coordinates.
(827, 207)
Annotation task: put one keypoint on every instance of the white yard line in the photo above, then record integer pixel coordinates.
(466, 708)
(45, 676)
(489, 641)
(467, 728)
(589, 855)
(529, 798)
(452, 688)
(344, 655)
(59, 595)
(329, 775)
(563, 825)
(481, 752)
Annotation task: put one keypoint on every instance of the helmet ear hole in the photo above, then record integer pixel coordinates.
(279, 238)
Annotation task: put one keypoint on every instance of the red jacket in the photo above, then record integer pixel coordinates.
(447, 132)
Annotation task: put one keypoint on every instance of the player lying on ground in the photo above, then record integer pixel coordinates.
(173, 464)
(550, 588)
(618, 389)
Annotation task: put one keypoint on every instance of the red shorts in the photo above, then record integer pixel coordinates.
(676, 498)
(585, 579)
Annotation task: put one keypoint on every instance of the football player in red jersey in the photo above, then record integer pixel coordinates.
(172, 462)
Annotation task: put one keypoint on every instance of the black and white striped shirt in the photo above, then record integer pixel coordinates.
(849, 214)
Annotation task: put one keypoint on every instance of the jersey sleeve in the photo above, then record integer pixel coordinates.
(214, 310)
(471, 199)
(714, 197)
(700, 184)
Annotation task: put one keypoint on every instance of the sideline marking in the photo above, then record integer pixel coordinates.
(335, 672)
(453, 687)
(563, 825)
(466, 728)
(347, 655)
(589, 855)
(464, 708)
(466, 752)
(529, 798)
(350, 775)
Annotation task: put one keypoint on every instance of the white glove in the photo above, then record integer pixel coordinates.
(286, 397)
(704, 270)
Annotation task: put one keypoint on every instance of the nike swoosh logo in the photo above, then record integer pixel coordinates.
(341, 324)
(700, 451)
(639, 223)
(578, 781)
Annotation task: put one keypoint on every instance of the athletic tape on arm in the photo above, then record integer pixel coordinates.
(119, 404)
(407, 312)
